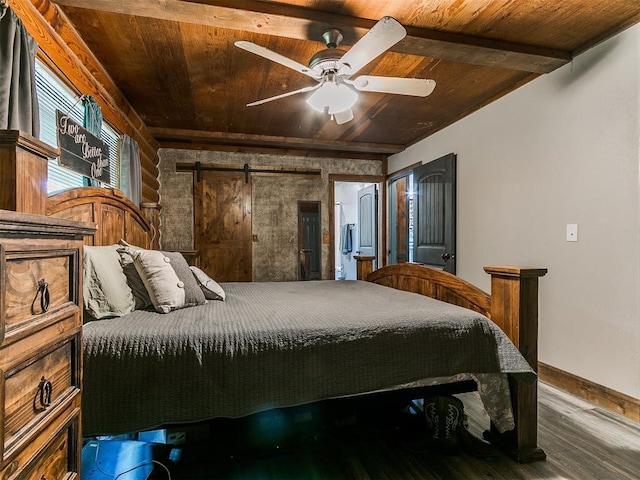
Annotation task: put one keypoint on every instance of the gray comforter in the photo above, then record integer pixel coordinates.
(275, 345)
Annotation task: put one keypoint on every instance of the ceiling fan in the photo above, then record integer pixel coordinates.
(333, 68)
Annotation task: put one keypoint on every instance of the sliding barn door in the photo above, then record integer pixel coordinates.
(222, 205)
(435, 213)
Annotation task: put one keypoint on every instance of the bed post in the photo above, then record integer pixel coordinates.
(364, 265)
(514, 308)
(151, 212)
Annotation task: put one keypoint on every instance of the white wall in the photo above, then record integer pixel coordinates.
(564, 148)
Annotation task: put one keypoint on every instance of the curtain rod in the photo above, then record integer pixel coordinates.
(246, 169)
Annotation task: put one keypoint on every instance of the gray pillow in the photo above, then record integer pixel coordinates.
(192, 292)
(105, 289)
(140, 294)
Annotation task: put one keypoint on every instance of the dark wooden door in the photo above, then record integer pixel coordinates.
(435, 213)
(222, 207)
(311, 242)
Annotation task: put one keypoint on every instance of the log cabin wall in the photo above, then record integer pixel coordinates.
(274, 204)
(64, 51)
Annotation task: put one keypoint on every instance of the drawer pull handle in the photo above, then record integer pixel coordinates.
(43, 291)
(43, 395)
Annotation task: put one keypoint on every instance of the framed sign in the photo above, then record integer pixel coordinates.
(80, 150)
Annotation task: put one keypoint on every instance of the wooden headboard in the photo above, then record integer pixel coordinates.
(116, 216)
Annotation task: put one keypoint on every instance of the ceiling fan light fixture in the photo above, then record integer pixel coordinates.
(336, 97)
(343, 117)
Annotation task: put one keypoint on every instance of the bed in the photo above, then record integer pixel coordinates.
(271, 345)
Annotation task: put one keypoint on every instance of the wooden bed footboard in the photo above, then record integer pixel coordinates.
(512, 305)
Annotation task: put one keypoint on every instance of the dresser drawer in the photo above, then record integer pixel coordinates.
(35, 389)
(53, 456)
(26, 306)
(56, 462)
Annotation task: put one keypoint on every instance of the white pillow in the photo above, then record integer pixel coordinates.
(105, 290)
(211, 289)
(165, 289)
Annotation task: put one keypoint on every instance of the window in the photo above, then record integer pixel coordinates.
(52, 95)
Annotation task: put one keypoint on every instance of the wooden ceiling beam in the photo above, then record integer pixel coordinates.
(304, 24)
(296, 152)
(173, 135)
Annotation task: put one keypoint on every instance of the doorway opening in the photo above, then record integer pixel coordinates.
(422, 215)
(355, 221)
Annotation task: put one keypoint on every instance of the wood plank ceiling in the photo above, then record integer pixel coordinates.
(176, 63)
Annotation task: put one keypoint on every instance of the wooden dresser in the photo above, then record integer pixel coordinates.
(40, 346)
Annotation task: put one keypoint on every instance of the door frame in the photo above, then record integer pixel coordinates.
(381, 258)
(405, 172)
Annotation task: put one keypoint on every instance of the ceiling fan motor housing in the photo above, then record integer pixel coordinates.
(326, 60)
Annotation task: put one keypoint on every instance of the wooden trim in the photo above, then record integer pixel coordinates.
(18, 223)
(27, 142)
(384, 249)
(268, 18)
(402, 173)
(164, 135)
(292, 152)
(338, 177)
(599, 395)
(631, 21)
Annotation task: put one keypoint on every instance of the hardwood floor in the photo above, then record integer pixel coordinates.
(581, 440)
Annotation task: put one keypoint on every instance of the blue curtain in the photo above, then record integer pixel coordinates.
(92, 115)
(18, 98)
(130, 169)
(92, 121)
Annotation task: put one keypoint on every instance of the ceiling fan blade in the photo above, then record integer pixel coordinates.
(343, 116)
(382, 36)
(417, 87)
(283, 95)
(276, 57)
